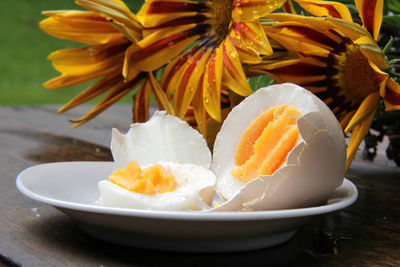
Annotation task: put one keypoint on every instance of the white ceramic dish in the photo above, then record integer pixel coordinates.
(71, 187)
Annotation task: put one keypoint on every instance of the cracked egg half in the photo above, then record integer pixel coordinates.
(279, 148)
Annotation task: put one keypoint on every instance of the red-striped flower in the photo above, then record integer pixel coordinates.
(109, 28)
(204, 45)
(336, 59)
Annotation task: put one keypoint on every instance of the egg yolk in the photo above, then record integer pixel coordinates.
(266, 142)
(151, 180)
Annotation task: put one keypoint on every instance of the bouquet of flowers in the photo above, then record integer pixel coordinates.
(198, 59)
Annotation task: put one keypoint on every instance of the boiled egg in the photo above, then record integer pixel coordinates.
(280, 148)
(162, 164)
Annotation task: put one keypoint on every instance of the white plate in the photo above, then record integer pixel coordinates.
(72, 188)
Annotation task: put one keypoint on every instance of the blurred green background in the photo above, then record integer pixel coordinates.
(24, 49)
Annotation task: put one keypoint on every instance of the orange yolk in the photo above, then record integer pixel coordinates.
(151, 180)
(266, 142)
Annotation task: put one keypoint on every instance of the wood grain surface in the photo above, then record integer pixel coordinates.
(34, 234)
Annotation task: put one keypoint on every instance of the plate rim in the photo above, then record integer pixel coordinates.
(183, 215)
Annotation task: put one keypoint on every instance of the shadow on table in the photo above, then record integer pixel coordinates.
(65, 238)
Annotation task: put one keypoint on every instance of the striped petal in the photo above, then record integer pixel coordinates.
(301, 40)
(173, 71)
(119, 91)
(317, 24)
(81, 26)
(357, 136)
(250, 41)
(372, 51)
(299, 71)
(92, 59)
(392, 95)
(371, 12)
(344, 121)
(367, 107)
(166, 13)
(160, 47)
(141, 102)
(233, 74)
(348, 29)
(93, 91)
(189, 77)
(326, 9)
(288, 7)
(199, 109)
(65, 80)
(250, 10)
(160, 96)
(380, 78)
(211, 84)
(115, 11)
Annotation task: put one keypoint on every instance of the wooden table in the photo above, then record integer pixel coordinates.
(34, 234)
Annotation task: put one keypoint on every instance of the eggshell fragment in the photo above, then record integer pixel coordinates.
(162, 138)
(314, 167)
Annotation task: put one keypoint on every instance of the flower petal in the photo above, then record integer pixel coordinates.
(371, 12)
(163, 13)
(380, 78)
(326, 9)
(199, 109)
(160, 47)
(116, 11)
(173, 71)
(301, 40)
(81, 26)
(160, 96)
(189, 77)
(250, 41)
(288, 7)
(211, 84)
(372, 51)
(65, 80)
(141, 103)
(120, 90)
(92, 59)
(95, 90)
(233, 74)
(346, 119)
(368, 106)
(250, 10)
(348, 29)
(392, 95)
(357, 136)
(317, 24)
(298, 71)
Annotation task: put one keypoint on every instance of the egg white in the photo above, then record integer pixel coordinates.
(194, 191)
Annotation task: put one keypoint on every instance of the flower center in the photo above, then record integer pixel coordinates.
(222, 10)
(350, 79)
(356, 76)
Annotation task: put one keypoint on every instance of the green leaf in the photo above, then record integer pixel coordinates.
(392, 5)
(260, 81)
(392, 19)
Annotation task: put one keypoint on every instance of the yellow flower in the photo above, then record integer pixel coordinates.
(337, 60)
(109, 28)
(204, 45)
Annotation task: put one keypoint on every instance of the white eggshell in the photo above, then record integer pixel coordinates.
(314, 168)
(194, 191)
(162, 138)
